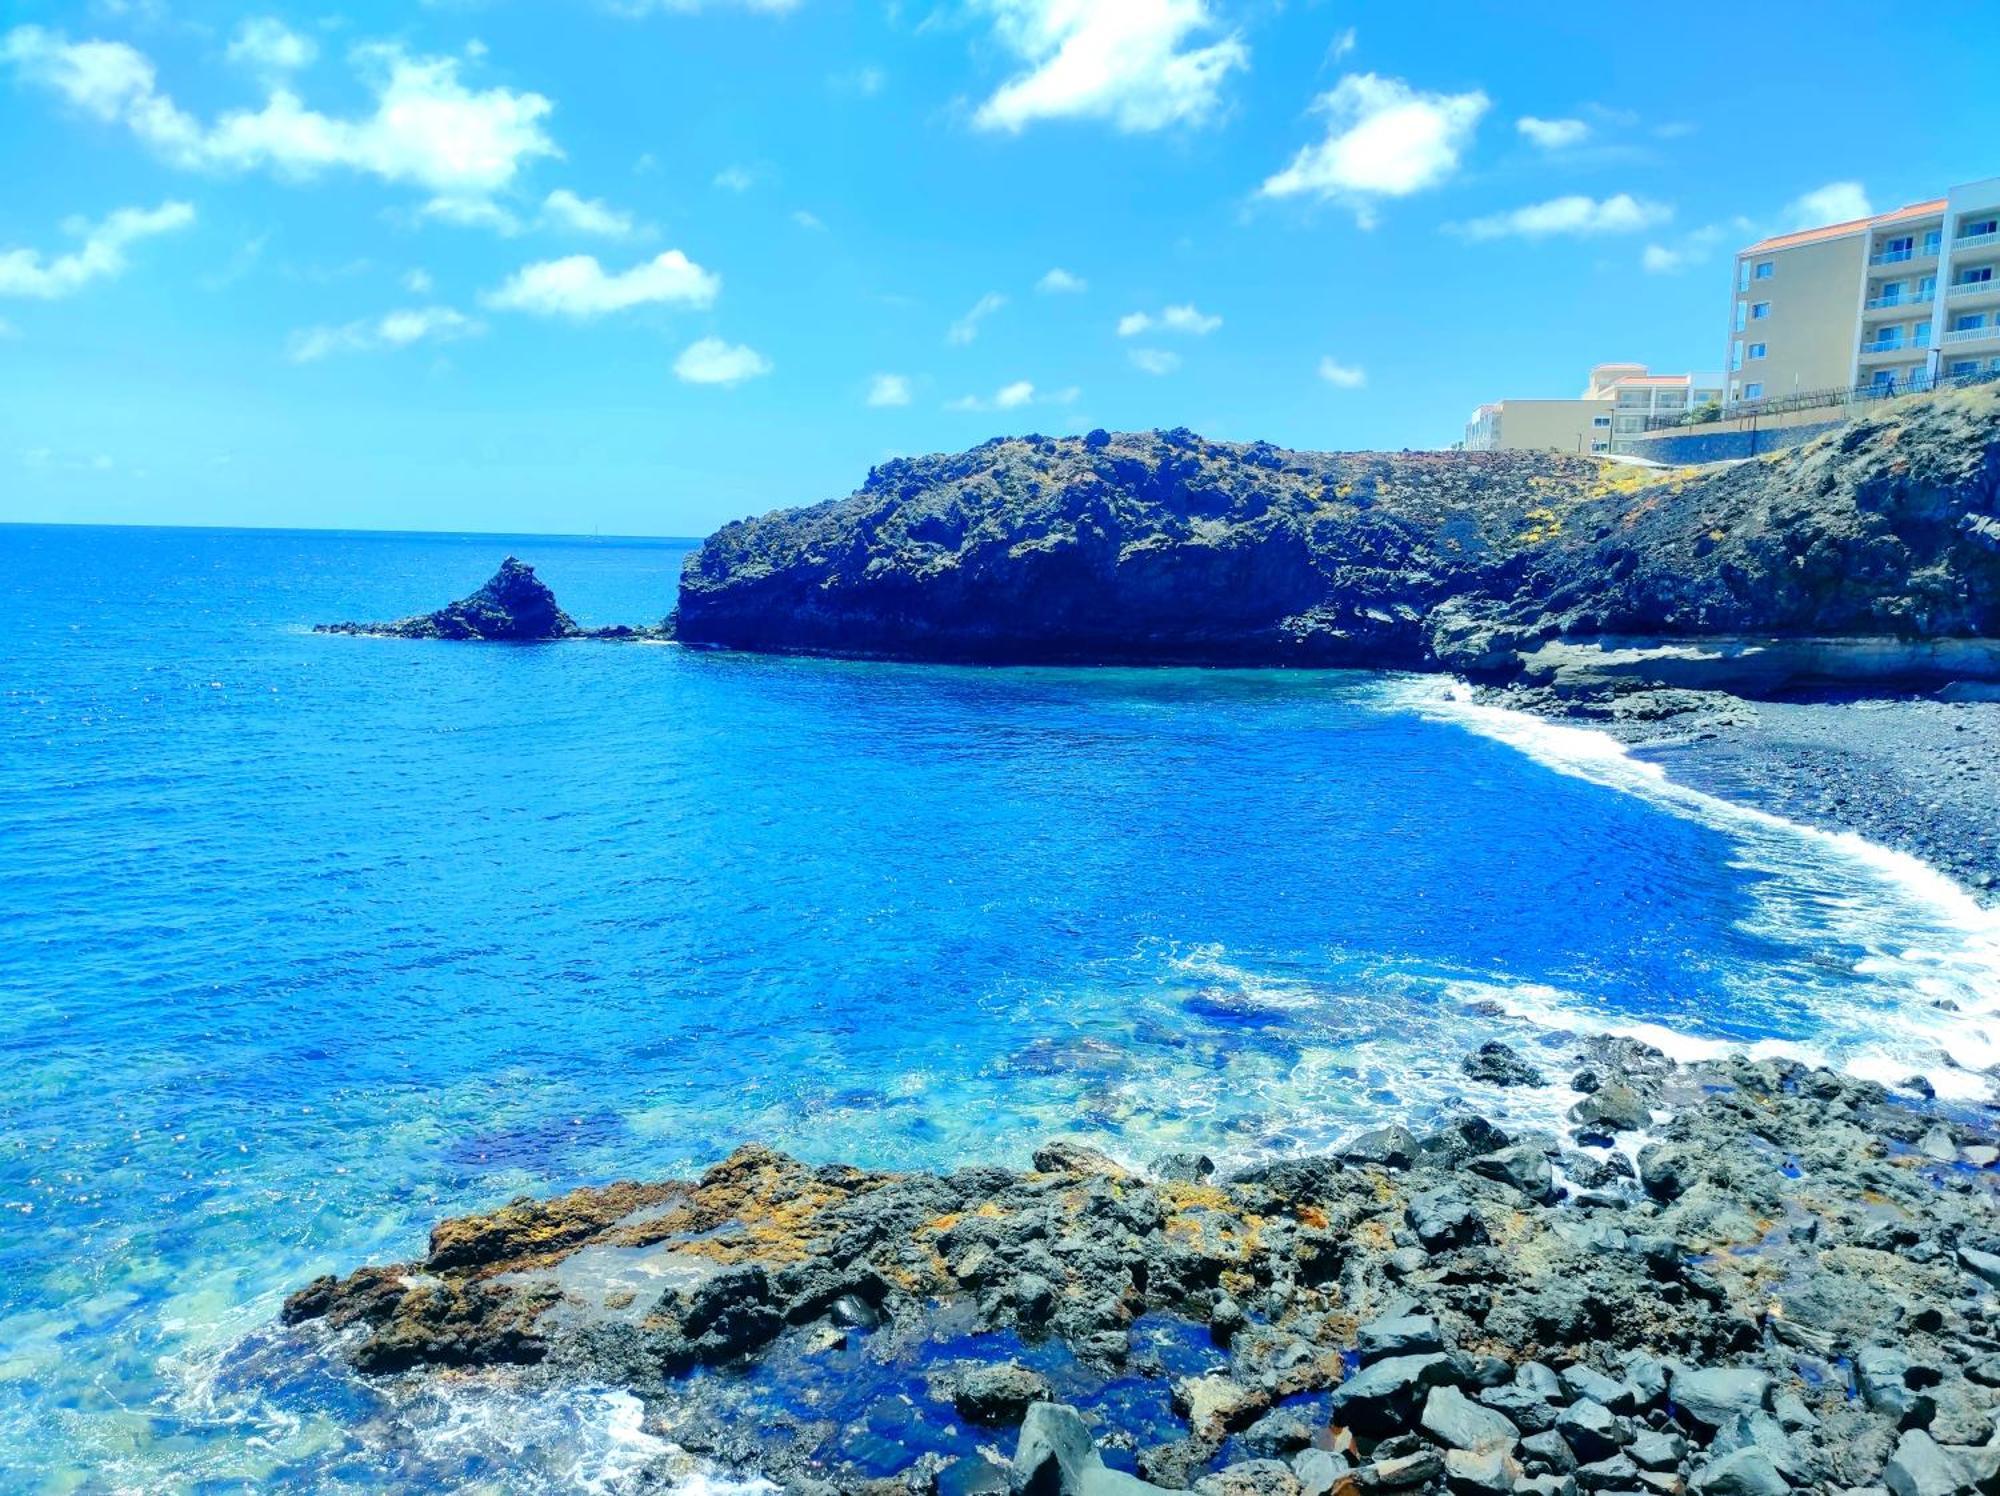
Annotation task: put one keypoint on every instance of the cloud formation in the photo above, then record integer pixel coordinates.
(563, 209)
(1342, 376)
(1383, 139)
(1553, 134)
(397, 329)
(1836, 202)
(269, 45)
(966, 328)
(26, 272)
(426, 127)
(1013, 396)
(578, 286)
(1574, 214)
(1059, 282)
(1155, 360)
(1137, 63)
(712, 361)
(1185, 318)
(886, 390)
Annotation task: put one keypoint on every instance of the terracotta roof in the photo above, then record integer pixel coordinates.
(1930, 209)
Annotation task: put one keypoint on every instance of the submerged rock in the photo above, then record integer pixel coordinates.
(515, 606)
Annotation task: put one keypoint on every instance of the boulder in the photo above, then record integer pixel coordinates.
(1716, 1396)
(1457, 1422)
(998, 1394)
(1497, 1064)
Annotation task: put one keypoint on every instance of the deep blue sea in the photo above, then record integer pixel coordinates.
(306, 941)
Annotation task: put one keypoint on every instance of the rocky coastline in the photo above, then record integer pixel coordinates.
(1735, 1277)
(514, 607)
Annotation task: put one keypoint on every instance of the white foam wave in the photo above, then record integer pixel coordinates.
(1931, 952)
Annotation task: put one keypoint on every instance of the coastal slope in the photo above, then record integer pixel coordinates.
(1166, 547)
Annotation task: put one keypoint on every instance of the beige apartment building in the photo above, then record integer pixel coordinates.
(1618, 403)
(1876, 302)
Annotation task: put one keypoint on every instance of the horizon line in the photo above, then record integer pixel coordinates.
(87, 524)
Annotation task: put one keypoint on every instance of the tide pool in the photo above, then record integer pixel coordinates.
(306, 942)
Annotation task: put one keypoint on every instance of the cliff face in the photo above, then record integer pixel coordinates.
(1162, 546)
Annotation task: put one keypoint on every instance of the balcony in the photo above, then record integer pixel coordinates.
(1976, 243)
(1897, 344)
(1989, 332)
(1904, 256)
(1966, 290)
(1901, 298)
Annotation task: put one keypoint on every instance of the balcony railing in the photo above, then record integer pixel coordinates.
(1983, 239)
(1914, 298)
(1899, 256)
(1970, 288)
(1973, 334)
(1890, 345)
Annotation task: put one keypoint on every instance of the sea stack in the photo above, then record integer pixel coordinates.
(515, 606)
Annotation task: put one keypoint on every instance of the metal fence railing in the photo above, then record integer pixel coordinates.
(1846, 395)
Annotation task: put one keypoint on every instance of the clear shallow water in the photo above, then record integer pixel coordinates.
(305, 942)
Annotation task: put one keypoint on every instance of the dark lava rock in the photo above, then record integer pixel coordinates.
(1614, 1107)
(514, 607)
(1498, 1064)
(1392, 1147)
(1405, 1335)
(1453, 1419)
(998, 1394)
(1163, 546)
(1383, 1397)
(1717, 1396)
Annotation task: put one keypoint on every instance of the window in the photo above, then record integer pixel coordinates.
(1975, 277)
(1933, 238)
(1891, 294)
(1968, 322)
(1736, 353)
(1764, 269)
(1974, 229)
(1760, 310)
(1756, 350)
(1600, 420)
(1600, 446)
(1742, 315)
(1742, 275)
(1753, 391)
(1926, 288)
(1964, 367)
(1884, 378)
(1899, 248)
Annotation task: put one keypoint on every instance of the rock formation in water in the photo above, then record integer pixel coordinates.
(1788, 1285)
(1162, 546)
(515, 606)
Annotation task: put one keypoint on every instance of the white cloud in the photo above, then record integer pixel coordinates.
(1155, 360)
(863, 82)
(1341, 45)
(25, 272)
(426, 128)
(563, 209)
(270, 46)
(578, 286)
(1342, 376)
(888, 389)
(806, 220)
(1185, 318)
(1059, 282)
(1660, 260)
(966, 328)
(398, 329)
(1575, 214)
(472, 213)
(1136, 63)
(1013, 396)
(1693, 247)
(735, 179)
(1384, 139)
(712, 361)
(417, 282)
(1836, 202)
(1553, 134)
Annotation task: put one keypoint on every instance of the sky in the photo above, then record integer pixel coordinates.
(646, 266)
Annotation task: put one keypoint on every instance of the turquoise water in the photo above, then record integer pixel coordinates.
(307, 941)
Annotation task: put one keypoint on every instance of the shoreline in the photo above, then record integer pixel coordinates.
(1734, 1276)
(1913, 773)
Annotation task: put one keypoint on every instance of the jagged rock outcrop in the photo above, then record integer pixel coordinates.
(1163, 546)
(1799, 1277)
(515, 606)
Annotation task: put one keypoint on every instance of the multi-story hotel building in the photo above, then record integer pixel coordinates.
(1876, 302)
(1619, 402)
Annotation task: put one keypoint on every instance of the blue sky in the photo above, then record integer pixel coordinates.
(643, 266)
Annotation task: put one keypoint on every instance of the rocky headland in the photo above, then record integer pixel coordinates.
(515, 606)
(1872, 552)
(1734, 1278)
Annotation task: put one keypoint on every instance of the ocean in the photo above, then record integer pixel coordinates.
(308, 941)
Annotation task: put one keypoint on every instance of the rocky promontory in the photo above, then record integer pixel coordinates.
(515, 606)
(1872, 549)
(1735, 1278)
